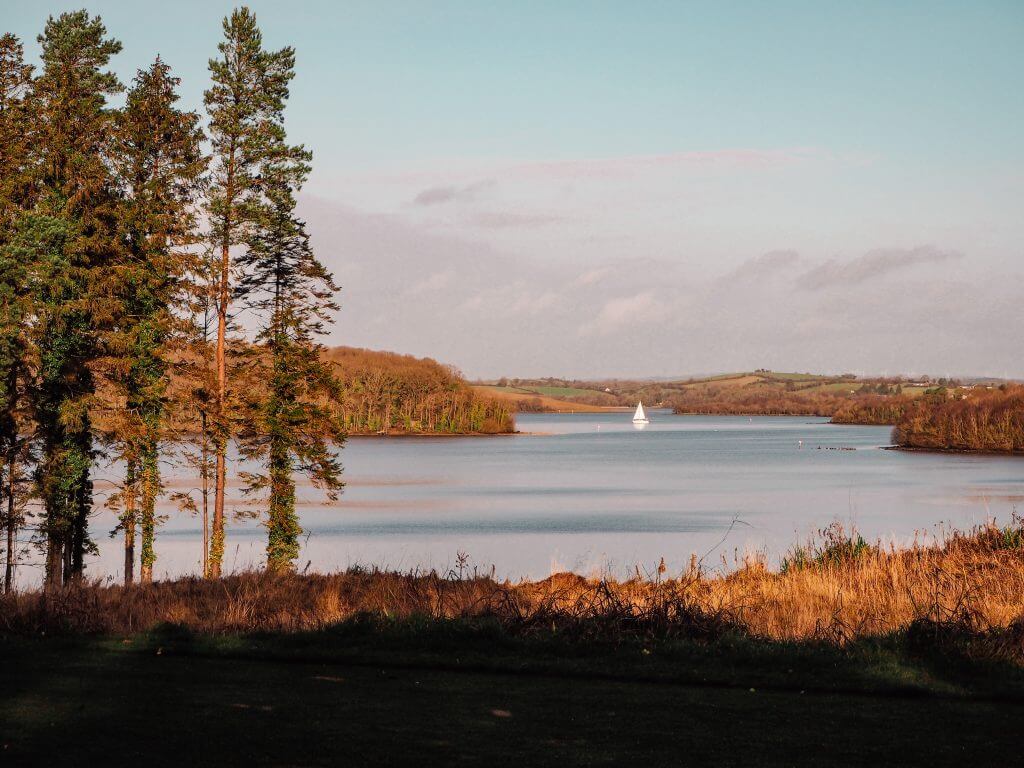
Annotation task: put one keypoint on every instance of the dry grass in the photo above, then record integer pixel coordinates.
(837, 589)
(534, 402)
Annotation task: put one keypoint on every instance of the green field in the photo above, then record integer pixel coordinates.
(836, 387)
(792, 376)
(509, 390)
(444, 699)
(565, 391)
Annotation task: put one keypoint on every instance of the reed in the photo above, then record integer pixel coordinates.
(963, 587)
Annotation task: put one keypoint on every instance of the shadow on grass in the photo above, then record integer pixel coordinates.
(908, 663)
(373, 691)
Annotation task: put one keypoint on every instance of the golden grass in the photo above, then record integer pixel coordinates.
(537, 401)
(838, 590)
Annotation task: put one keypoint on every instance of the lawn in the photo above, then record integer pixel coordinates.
(344, 700)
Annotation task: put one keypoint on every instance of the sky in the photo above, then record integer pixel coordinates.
(648, 188)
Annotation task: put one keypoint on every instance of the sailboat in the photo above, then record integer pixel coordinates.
(640, 417)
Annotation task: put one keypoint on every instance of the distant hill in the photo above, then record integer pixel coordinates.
(524, 399)
(745, 392)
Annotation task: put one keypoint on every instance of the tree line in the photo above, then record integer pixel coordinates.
(873, 409)
(978, 419)
(383, 392)
(754, 400)
(131, 237)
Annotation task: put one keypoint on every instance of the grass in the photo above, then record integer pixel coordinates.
(564, 391)
(835, 588)
(850, 654)
(550, 404)
(440, 693)
(726, 381)
(838, 387)
(796, 376)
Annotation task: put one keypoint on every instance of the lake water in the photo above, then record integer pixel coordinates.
(591, 493)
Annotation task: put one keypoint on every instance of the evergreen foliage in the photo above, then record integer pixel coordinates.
(289, 425)
(71, 236)
(156, 153)
(246, 107)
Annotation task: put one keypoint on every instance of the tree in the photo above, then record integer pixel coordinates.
(15, 307)
(290, 425)
(71, 236)
(194, 397)
(156, 155)
(246, 103)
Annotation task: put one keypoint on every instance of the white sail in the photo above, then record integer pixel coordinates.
(640, 417)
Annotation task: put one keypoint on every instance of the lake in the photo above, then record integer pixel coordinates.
(591, 493)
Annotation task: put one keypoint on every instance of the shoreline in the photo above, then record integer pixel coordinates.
(965, 451)
(364, 435)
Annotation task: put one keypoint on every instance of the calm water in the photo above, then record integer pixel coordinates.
(590, 492)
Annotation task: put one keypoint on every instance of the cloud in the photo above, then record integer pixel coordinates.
(452, 194)
(508, 219)
(511, 301)
(631, 164)
(763, 267)
(434, 282)
(625, 311)
(592, 276)
(870, 266)
(600, 167)
(493, 311)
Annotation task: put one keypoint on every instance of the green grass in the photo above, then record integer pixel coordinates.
(836, 386)
(792, 376)
(565, 391)
(448, 693)
(509, 390)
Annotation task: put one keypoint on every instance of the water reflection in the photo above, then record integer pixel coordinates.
(591, 493)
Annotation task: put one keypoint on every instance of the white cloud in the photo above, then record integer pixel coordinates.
(435, 282)
(625, 312)
(493, 311)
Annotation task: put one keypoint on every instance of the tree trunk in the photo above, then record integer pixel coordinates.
(150, 484)
(217, 543)
(283, 528)
(11, 537)
(204, 474)
(221, 442)
(79, 530)
(128, 523)
(54, 554)
(76, 542)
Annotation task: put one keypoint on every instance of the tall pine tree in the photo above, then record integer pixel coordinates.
(289, 425)
(15, 307)
(156, 155)
(246, 103)
(73, 236)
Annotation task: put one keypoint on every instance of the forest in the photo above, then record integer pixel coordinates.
(387, 393)
(872, 409)
(133, 233)
(976, 419)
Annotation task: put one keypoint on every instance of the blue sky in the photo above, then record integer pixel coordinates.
(525, 146)
(408, 80)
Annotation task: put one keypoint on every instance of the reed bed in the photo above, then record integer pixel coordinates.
(966, 588)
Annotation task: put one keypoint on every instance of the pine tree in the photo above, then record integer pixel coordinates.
(71, 238)
(193, 396)
(15, 308)
(245, 103)
(290, 425)
(156, 155)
